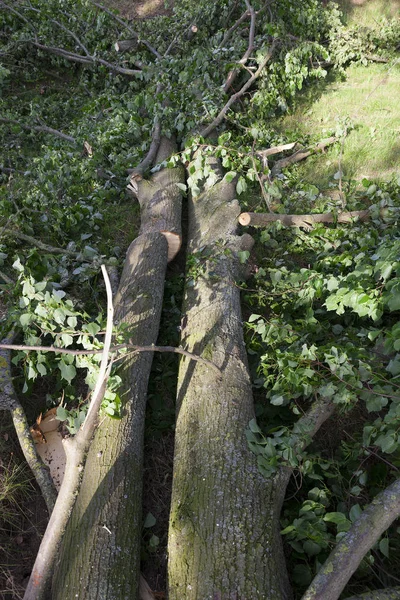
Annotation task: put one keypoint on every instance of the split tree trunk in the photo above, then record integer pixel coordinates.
(224, 541)
(100, 552)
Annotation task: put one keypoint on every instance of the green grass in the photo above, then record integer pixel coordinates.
(368, 12)
(369, 99)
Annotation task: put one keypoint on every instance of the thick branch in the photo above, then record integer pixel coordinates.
(129, 28)
(75, 450)
(9, 401)
(232, 74)
(308, 425)
(305, 221)
(40, 129)
(220, 117)
(344, 560)
(301, 155)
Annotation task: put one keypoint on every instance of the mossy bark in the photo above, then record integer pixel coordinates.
(100, 553)
(224, 540)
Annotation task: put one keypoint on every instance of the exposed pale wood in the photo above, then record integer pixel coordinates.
(305, 221)
(301, 155)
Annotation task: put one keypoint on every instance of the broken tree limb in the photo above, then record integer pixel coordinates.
(9, 401)
(276, 149)
(45, 247)
(86, 60)
(75, 451)
(305, 221)
(221, 115)
(301, 155)
(343, 561)
(148, 161)
(160, 199)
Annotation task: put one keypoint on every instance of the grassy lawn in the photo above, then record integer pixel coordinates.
(367, 12)
(369, 98)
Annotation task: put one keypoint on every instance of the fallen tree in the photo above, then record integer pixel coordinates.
(106, 521)
(224, 533)
(224, 538)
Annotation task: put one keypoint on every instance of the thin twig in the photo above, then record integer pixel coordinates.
(6, 278)
(117, 348)
(220, 117)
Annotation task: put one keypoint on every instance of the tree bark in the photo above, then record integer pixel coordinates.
(346, 557)
(100, 552)
(224, 540)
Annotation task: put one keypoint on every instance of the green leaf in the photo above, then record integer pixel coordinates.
(384, 546)
(254, 428)
(230, 176)
(62, 414)
(25, 319)
(311, 548)
(149, 521)
(68, 372)
(67, 339)
(302, 575)
(355, 512)
(241, 185)
(182, 186)
(335, 517)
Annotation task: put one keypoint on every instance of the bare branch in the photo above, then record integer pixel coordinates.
(9, 401)
(40, 129)
(116, 348)
(343, 561)
(86, 60)
(232, 74)
(220, 117)
(308, 425)
(6, 278)
(232, 29)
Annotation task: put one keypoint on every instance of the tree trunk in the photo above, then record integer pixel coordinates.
(224, 540)
(100, 552)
